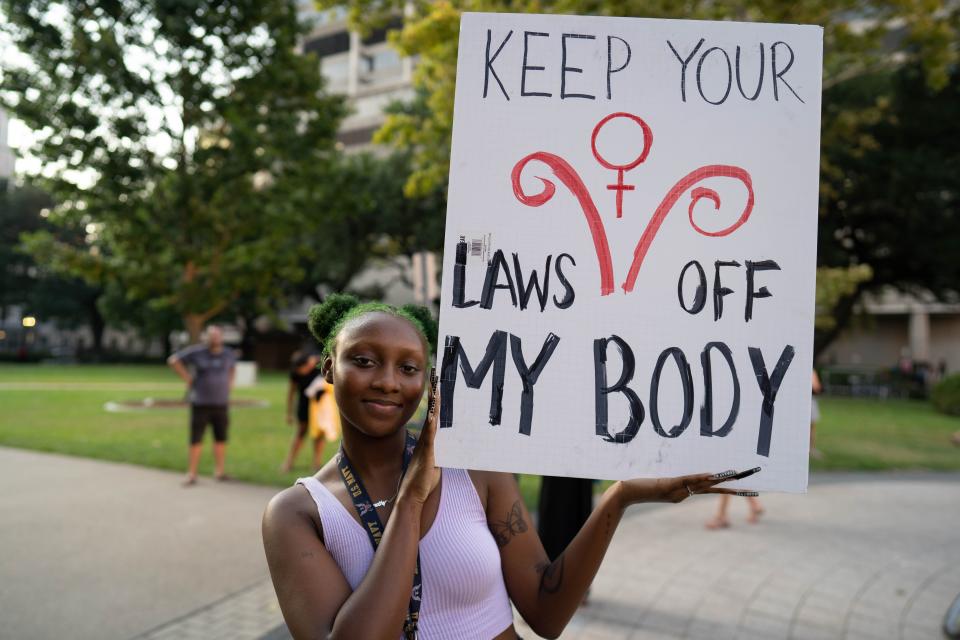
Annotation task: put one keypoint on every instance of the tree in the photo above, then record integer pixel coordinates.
(20, 211)
(896, 204)
(32, 284)
(881, 59)
(148, 322)
(186, 135)
(366, 216)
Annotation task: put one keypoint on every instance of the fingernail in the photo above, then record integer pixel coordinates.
(722, 475)
(747, 473)
(747, 494)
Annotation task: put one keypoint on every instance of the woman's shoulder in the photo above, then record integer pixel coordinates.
(489, 483)
(292, 502)
(291, 514)
(296, 502)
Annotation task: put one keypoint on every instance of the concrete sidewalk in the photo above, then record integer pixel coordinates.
(100, 550)
(97, 550)
(859, 556)
(862, 556)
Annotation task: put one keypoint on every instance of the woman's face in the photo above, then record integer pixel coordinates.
(378, 373)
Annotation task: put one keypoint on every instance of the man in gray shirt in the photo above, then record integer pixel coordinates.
(208, 370)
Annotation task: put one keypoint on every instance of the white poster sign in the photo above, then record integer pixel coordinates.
(629, 263)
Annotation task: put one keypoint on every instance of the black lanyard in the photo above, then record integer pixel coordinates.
(371, 521)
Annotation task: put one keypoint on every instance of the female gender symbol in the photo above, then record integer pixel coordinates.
(563, 171)
(620, 187)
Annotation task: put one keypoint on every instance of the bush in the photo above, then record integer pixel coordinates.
(30, 357)
(946, 395)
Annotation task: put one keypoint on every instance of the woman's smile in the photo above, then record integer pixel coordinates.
(382, 406)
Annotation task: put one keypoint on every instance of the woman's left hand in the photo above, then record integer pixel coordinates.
(680, 488)
(423, 476)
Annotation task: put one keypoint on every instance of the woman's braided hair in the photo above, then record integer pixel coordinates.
(329, 317)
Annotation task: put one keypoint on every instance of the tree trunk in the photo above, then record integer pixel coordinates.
(249, 340)
(193, 323)
(97, 326)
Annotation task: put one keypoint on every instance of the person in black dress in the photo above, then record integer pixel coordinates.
(303, 371)
(565, 505)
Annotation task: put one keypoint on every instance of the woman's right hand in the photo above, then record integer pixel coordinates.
(423, 475)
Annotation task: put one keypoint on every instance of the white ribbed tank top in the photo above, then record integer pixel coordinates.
(464, 595)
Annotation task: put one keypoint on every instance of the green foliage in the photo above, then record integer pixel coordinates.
(362, 216)
(34, 284)
(19, 213)
(894, 203)
(188, 135)
(834, 284)
(890, 186)
(859, 39)
(946, 395)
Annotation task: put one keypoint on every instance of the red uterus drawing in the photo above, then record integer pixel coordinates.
(571, 179)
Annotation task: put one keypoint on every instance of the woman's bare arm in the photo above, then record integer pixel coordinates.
(314, 597)
(546, 593)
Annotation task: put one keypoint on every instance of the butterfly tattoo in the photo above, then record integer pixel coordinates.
(504, 530)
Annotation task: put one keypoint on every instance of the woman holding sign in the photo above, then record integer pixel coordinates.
(453, 548)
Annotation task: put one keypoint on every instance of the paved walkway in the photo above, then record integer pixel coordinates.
(861, 556)
(107, 551)
(865, 557)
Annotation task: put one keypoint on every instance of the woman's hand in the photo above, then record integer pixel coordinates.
(422, 475)
(680, 488)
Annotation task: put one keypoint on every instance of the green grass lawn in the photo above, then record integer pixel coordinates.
(73, 421)
(875, 435)
(853, 434)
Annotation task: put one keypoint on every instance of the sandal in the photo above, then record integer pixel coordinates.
(189, 481)
(717, 523)
(224, 477)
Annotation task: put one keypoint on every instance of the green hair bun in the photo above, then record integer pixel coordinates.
(425, 319)
(324, 317)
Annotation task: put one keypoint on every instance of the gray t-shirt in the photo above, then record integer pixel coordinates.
(211, 373)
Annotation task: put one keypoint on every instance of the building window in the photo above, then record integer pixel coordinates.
(336, 71)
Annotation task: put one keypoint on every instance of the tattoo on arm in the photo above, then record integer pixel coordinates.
(503, 531)
(551, 575)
